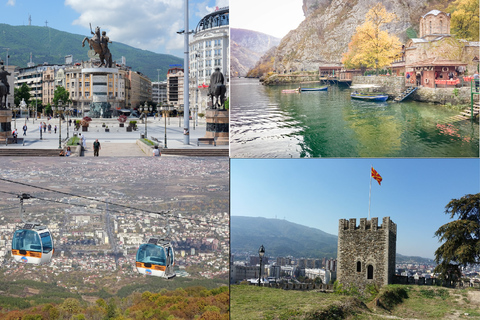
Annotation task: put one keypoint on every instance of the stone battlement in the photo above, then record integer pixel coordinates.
(351, 224)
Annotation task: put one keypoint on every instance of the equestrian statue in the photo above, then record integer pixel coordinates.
(99, 43)
(217, 89)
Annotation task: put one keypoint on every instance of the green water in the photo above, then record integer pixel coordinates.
(266, 123)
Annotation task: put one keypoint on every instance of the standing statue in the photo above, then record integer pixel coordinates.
(4, 87)
(99, 43)
(217, 89)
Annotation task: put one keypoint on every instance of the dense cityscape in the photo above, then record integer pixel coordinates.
(100, 237)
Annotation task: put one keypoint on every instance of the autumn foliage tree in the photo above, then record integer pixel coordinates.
(465, 19)
(370, 46)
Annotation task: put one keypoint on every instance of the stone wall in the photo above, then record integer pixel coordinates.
(366, 246)
(442, 95)
(391, 85)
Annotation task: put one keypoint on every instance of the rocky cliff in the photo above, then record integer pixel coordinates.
(246, 48)
(324, 35)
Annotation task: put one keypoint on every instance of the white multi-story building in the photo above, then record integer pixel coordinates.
(209, 49)
(159, 92)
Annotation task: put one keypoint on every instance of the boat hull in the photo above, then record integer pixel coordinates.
(314, 89)
(376, 98)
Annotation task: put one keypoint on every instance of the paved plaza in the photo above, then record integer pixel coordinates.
(117, 142)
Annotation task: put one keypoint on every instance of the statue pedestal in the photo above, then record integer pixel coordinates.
(5, 124)
(217, 125)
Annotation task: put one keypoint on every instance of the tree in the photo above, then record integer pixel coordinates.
(465, 19)
(461, 238)
(21, 93)
(370, 46)
(61, 94)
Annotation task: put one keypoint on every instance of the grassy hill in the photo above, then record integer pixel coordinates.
(394, 302)
(50, 45)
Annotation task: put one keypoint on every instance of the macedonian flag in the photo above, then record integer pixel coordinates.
(376, 176)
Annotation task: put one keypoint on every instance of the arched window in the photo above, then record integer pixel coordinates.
(430, 27)
(359, 266)
(441, 26)
(370, 272)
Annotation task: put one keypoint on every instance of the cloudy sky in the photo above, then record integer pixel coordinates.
(144, 24)
(272, 17)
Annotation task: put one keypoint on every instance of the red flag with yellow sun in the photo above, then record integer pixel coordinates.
(376, 176)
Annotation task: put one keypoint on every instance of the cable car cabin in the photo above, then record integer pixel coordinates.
(156, 258)
(32, 244)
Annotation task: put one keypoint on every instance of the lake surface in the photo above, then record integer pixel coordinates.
(265, 123)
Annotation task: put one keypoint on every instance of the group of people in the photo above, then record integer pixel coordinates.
(43, 126)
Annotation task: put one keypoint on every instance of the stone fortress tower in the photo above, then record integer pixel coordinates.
(366, 253)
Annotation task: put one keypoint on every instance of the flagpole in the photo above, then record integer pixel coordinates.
(370, 193)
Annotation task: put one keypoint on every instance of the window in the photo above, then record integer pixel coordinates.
(370, 272)
(359, 266)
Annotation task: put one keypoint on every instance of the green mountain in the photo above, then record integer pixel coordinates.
(51, 46)
(282, 238)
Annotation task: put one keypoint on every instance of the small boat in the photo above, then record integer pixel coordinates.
(378, 97)
(290, 91)
(325, 88)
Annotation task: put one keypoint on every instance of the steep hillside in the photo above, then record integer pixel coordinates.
(280, 238)
(324, 35)
(246, 48)
(51, 46)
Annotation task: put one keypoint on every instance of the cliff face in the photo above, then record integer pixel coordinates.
(324, 35)
(246, 48)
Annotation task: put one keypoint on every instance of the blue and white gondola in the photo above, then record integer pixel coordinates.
(32, 244)
(156, 258)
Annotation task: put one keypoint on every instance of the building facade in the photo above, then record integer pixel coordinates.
(175, 80)
(209, 49)
(366, 253)
(159, 92)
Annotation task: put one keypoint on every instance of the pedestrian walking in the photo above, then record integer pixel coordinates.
(55, 129)
(49, 128)
(44, 127)
(25, 129)
(14, 134)
(96, 148)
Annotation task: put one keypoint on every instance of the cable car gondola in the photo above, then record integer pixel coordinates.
(32, 244)
(156, 258)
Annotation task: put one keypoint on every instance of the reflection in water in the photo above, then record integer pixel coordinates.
(266, 123)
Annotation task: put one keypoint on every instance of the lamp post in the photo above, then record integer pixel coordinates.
(145, 109)
(59, 110)
(195, 111)
(165, 109)
(180, 109)
(261, 253)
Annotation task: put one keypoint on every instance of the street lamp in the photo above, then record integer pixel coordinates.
(195, 111)
(165, 109)
(180, 109)
(59, 110)
(145, 109)
(261, 253)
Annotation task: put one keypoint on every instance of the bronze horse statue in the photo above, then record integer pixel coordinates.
(217, 89)
(95, 43)
(218, 92)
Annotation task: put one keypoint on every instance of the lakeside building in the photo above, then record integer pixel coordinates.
(435, 55)
(209, 49)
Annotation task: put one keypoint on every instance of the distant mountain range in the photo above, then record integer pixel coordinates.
(51, 46)
(282, 238)
(246, 48)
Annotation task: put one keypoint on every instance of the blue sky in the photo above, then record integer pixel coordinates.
(145, 24)
(272, 17)
(319, 192)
